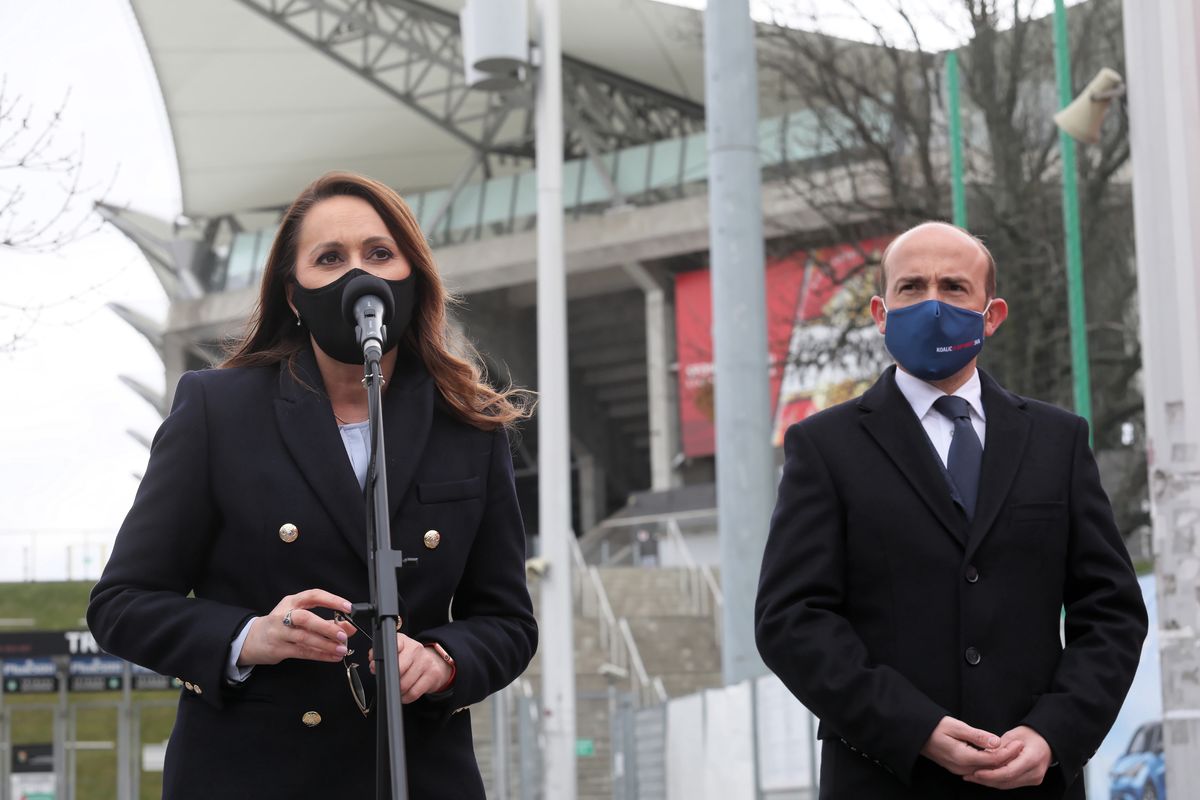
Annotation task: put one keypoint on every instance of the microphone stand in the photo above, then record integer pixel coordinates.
(383, 564)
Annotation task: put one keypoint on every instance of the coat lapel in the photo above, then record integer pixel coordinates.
(896, 429)
(310, 433)
(1007, 434)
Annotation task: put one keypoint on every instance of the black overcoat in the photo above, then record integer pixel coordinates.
(246, 451)
(883, 609)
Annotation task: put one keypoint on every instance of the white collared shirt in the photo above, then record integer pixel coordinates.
(938, 427)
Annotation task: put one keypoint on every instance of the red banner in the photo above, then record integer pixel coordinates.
(809, 296)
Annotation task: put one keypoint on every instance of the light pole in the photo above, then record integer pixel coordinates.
(958, 185)
(1070, 190)
(495, 51)
(554, 429)
(745, 462)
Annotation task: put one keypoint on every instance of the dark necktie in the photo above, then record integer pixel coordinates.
(966, 453)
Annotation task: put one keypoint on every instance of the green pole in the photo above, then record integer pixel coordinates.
(958, 186)
(1078, 315)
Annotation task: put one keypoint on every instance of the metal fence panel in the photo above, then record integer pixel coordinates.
(649, 766)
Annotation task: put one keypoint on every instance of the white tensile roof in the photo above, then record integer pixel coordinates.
(256, 113)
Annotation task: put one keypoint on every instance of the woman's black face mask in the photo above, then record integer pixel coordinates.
(321, 312)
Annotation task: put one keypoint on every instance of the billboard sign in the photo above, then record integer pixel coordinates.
(96, 674)
(149, 680)
(822, 344)
(29, 676)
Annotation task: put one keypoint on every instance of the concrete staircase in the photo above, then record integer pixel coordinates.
(676, 642)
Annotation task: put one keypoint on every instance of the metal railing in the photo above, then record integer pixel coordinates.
(54, 554)
(648, 692)
(699, 581)
(618, 546)
(616, 637)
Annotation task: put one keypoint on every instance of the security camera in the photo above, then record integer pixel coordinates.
(537, 566)
(1081, 119)
(613, 671)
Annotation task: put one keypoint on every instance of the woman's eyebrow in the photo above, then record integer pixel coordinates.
(338, 244)
(325, 246)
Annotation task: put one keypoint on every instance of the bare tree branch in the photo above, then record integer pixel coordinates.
(879, 122)
(31, 155)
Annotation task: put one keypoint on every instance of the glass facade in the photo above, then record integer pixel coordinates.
(643, 174)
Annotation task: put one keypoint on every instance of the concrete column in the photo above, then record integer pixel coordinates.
(1164, 109)
(589, 502)
(745, 462)
(662, 391)
(175, 347)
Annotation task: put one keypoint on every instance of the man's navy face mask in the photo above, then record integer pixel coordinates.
(933, 340)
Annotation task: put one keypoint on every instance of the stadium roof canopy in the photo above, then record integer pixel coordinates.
(259, 104)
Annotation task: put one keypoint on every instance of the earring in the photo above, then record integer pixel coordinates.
(297, 320)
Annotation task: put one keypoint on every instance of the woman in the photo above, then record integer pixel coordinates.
(248, 531)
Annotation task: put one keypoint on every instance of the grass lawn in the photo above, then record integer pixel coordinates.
(53, 606)
(61, 606)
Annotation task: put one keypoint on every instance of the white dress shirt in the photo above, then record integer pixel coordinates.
(938, 427)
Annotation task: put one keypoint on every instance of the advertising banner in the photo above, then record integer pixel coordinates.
(36, 644)
(96, 674)
(149, 680)
(29, 676)
(822, 345)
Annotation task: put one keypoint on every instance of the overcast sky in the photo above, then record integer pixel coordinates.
(65, 459)
(939, 24)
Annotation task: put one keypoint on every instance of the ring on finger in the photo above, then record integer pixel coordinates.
(287, 618)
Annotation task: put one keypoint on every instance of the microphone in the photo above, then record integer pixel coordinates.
(367, 304)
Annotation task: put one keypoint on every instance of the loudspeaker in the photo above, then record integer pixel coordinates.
(495, 43)
(1081, 120)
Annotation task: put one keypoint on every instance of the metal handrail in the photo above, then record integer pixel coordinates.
(615, 634)
(608, 620)
(704, 590)
(714, 588)
(691, 572)
(577, 554)
(647, 691)
(660, 691)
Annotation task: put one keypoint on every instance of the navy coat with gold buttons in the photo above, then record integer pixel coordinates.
(884, 608)
(246, 451)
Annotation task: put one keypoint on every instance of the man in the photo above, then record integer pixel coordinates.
(922, 553)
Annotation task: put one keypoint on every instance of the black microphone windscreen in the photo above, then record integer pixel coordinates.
(365, 285)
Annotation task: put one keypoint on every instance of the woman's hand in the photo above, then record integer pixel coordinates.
(307, 636)
(421, 669)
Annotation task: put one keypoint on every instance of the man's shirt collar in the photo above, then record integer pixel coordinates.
(921, 395)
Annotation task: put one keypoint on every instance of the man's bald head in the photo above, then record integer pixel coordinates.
(944, 237)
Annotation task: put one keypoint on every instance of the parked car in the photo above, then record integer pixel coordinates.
(1141, 773)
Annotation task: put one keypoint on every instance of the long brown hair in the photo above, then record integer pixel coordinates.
(272, 335)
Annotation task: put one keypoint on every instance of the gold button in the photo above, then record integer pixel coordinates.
(311, 718)
(288, 532)
(187, 685)
(432, 539)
